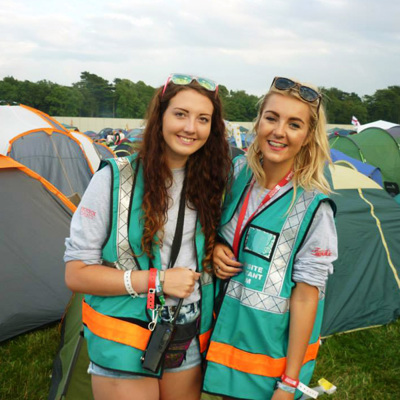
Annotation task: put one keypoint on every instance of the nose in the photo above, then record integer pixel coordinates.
(190, 125)
(279, 130)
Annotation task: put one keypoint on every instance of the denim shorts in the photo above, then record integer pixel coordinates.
(188, 313)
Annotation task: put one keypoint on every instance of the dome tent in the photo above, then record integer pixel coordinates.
(376, 147)
(364, 290)
(43, 145)
(34, 221)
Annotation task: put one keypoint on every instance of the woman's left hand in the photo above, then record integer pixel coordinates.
(224, 262)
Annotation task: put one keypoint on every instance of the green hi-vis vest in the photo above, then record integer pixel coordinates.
(248, 347)
(116, 327)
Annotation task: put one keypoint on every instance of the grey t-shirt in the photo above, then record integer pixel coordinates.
(91, 221)
(313, 262)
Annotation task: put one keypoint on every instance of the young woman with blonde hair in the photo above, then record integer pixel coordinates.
(277, 244)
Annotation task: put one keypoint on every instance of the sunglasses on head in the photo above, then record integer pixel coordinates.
(306, 93)
(182, 79)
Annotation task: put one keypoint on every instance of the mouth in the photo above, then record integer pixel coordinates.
(276, 145)
(186, 140)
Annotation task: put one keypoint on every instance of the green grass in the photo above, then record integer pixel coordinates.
(364, 365)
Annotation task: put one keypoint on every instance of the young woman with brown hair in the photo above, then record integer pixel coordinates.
(122, 243)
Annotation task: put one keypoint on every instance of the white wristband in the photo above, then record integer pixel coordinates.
(307, 390)
(128, 284)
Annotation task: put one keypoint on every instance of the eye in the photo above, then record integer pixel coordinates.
(270, 118)
(204, 120)
(294, 125)
(179, 114)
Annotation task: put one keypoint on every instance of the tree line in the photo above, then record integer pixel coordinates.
(94, 96)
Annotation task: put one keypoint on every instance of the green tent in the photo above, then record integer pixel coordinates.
(364, 290)
(69, 379)
(377, 147)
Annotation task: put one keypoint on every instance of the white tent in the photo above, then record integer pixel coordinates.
(15, 120)
(90, 149)
(376, 124)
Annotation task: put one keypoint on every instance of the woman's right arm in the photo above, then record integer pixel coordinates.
(89, 228)
(105, 281)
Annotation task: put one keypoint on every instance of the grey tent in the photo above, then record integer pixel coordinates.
(34, 220)
(39, 142)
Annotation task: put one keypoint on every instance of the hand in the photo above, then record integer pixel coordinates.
(280, 394)
(224, 262)
(179, 282)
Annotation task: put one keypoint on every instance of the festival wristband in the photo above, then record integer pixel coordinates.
(159, 288)
(290, 381)
(285, 388)
(307, 390)
(296, 384)
(151, 293)
(128, 283)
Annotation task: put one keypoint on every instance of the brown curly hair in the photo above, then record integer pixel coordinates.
(207, 171)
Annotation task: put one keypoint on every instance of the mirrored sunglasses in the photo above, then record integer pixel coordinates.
(305, 92)
(182, 79)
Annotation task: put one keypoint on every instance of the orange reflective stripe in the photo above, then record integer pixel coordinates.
(258, 364)
(115, 329)
(204, 338)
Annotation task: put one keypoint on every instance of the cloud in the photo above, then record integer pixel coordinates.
(242, 44)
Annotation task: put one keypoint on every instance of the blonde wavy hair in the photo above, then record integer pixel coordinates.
(309, 163)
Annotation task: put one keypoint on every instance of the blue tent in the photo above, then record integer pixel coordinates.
(369, 170)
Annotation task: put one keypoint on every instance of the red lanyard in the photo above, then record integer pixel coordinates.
(242, 214)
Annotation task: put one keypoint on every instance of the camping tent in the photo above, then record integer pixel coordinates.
(368, 170)
(38, 141)
(34, 220)
(364, 290)
(55, 155)
(104, 150)
(376, 124)
(395, 133)
(376, 147)
(90, 149)
(17, 119)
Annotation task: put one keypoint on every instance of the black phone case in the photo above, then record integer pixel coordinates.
(157, 346)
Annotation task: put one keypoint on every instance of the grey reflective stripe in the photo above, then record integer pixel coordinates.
(287, 239)
(205, 278)
(256, 299)
(126, 178)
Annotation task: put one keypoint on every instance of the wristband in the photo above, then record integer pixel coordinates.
(128, 283)
(162, 277)
(151, 293)
(285, 388)
(296, 384)
(290, 381)
(159, 289)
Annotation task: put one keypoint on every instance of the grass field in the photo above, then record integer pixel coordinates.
(363, 365)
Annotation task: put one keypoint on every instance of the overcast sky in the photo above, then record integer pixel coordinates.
(353, 45)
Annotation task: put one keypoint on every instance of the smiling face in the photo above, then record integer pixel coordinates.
(186, 125)
(282, 132)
